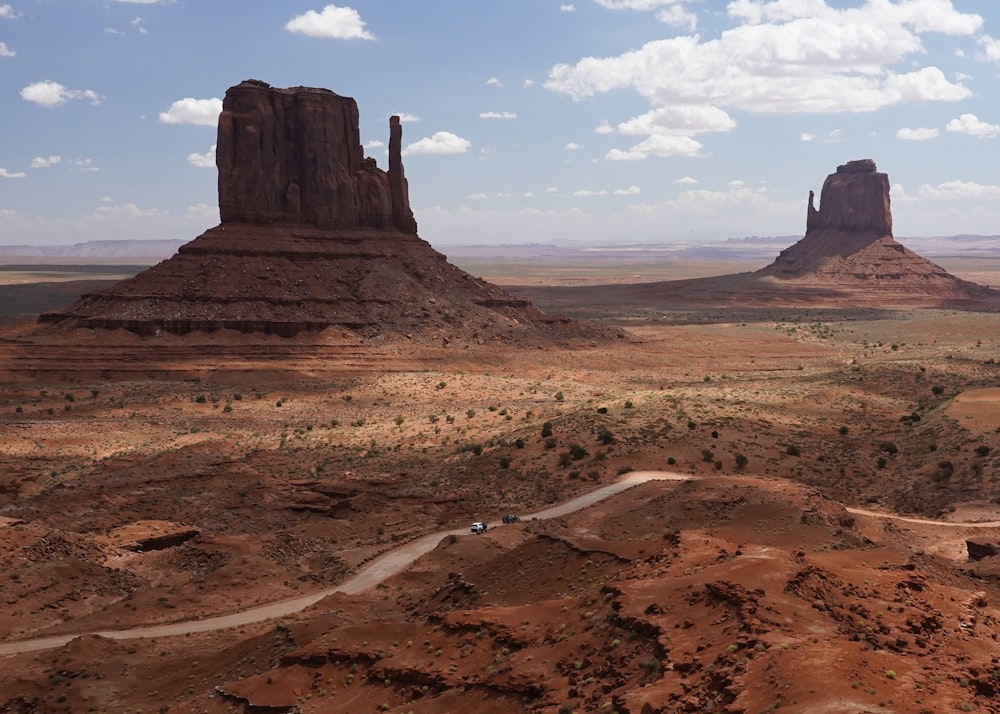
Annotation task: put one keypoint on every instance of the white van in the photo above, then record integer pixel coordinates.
(478, 527)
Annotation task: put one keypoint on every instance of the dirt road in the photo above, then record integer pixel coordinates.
(383, 567)
(390, 563)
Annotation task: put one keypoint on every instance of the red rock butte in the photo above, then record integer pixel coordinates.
(312, 235)
(849, 246)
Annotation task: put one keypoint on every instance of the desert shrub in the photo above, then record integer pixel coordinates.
(741, 460)
(628, 404)
(605, 436)
(707, 455)
(602, 410)
(650, 664)
(692, 424)
(519, 443)
(889, 447)
(441, 385)
(671, 460)
(200, 399)
(843, 430)
(881, 462)
(550, 443)
(399, 420)
(715, 434)
(945, 469)
(793, 450)
(434, 418)
(937, 390)
(559, 396)
(622, 470)
(228, 408)
(546, 429)
(577, 452)
(469, 413)
(982, 450)
(504, 462)
(718, 466)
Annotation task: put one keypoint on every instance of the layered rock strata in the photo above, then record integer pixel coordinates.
(313, 235)
(848, 246)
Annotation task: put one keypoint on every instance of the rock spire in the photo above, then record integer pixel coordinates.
(313, 235)
(295, 156)
(848, 249)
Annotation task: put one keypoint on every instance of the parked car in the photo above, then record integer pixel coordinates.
(478, 527)
(510, 518)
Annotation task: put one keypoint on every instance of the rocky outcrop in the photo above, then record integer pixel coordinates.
(313, 235)
(849, 248)
(295, 156)
(854, 199)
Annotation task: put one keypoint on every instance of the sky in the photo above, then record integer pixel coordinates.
(592, 122)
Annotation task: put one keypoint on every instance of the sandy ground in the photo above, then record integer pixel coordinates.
(150, 482)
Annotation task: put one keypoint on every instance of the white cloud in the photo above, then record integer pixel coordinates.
(834, 137)
(529, 83)
(4, 173)
(125, 210)
(671, 12)
(991, 48)
(494, 82)
(332, 22)
(685, 180)
(7, 13)
(958, 190)
(971, 125)
(604, 128)
(476, 196)
(200, 112)
(374, 144)
(588, 193)
(678, 120)
(84, 165)
(6, 51)
(658, 145)
(921, 134)
(805, 136)
(51, 94)
(203, 161)
(568, 7)
(44, 162)
(407, 118)
(792, 56)
(497, 115)
(146, 2)
(552, 189)
(441, 142)
(572, 146)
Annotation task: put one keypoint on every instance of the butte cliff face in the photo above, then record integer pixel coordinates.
(848, 247)
(313, 235)
(295, 156)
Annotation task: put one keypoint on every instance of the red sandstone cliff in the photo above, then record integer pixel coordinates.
(313, 235)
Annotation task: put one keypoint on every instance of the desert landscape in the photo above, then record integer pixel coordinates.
(242, 480)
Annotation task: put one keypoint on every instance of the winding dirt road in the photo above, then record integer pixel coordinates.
(381, 568)
(387, 565)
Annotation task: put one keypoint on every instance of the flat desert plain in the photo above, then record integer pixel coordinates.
(797, 541)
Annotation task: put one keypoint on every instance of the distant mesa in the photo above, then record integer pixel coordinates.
(312, 235)
(849, 246)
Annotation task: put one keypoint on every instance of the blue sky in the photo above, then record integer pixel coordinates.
(524, 121)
